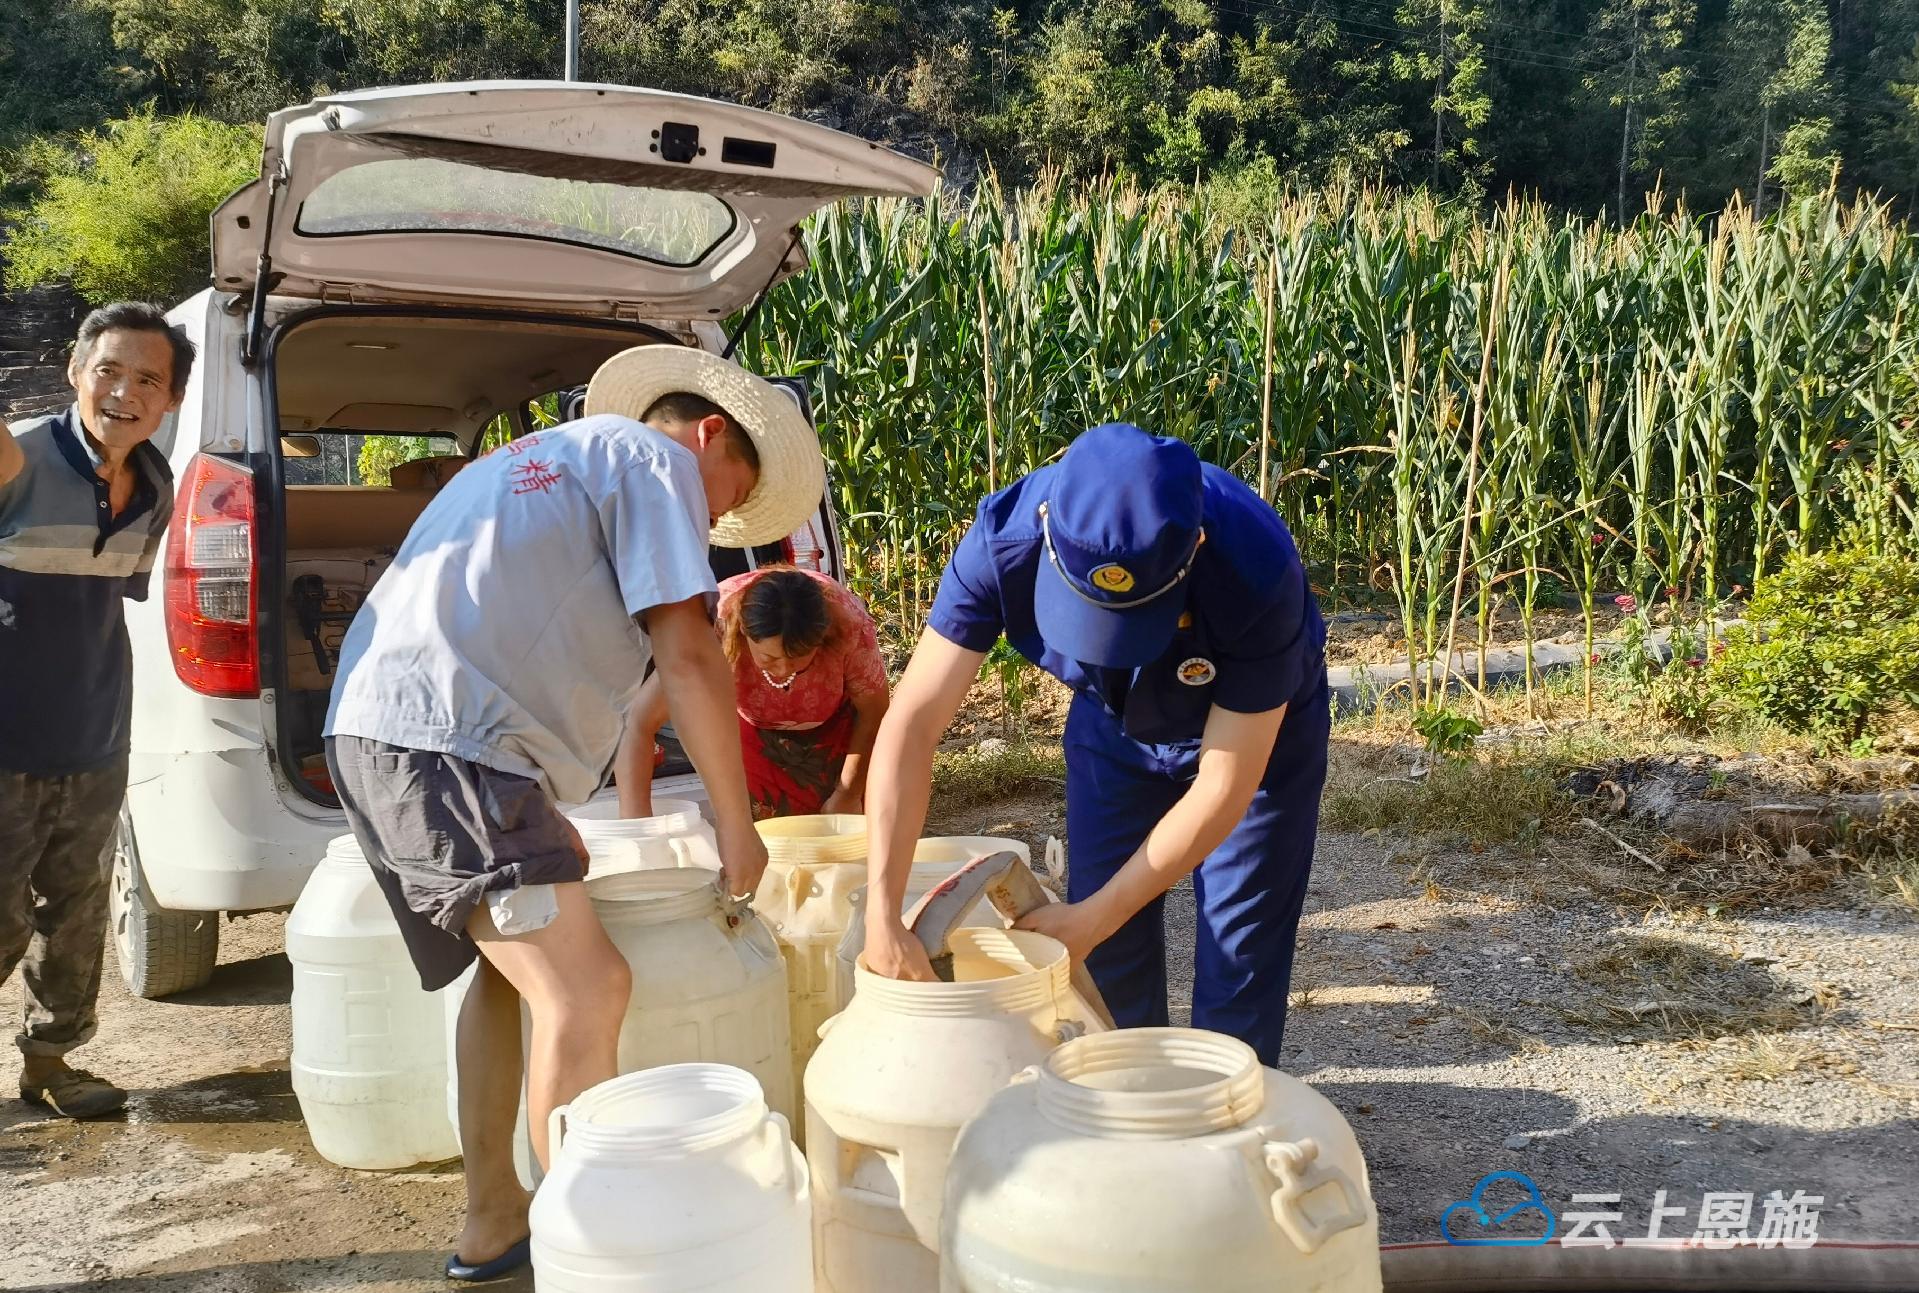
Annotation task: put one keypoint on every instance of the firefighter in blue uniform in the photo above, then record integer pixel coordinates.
(1172, 601)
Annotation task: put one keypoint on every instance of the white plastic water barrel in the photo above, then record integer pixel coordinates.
(708, 985)
(898, 1073)
(1161, 1159)
(708, 980)
(669, 1181)
(675, 836)
(813, 866)
(369, 1056)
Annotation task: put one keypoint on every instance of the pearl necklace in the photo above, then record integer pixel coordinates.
(776, 684)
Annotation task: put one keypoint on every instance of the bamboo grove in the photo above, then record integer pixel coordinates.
(1450, 408)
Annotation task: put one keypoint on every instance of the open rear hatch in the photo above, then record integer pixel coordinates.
(539, 194)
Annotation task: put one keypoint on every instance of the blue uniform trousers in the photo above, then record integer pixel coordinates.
(1249, 891)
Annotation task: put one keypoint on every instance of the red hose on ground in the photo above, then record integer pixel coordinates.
(1662, 1266)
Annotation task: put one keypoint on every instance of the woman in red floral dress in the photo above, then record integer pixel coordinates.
(811, 690)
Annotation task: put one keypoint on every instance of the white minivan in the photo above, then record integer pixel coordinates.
(413, 262)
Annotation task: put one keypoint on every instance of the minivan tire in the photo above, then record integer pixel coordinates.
(161, 952)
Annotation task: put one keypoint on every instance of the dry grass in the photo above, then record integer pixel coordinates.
(1554, 722)
(1512, 794)
(1499, 1032)
(965, 778)
(1885, 853)
(1767, 1058)
(1482, 802)
(1652, 986)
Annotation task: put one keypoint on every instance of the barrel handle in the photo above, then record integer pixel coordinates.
(1052, 865)
(1296, 1165)
(778, 1132)
(556, 1131)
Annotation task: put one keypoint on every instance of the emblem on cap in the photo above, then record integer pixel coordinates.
(1196, 672)
(1112, 579)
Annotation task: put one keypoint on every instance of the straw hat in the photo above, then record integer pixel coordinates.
(792, 476)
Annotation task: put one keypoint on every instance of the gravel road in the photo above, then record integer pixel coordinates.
(1460, 1026)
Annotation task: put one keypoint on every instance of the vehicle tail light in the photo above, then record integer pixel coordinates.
(803, 548)
(211, 580)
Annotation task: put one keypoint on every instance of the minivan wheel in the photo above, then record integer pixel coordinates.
(161, 952)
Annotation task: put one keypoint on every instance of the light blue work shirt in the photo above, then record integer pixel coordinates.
(503, 633)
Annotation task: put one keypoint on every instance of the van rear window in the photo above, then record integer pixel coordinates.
(434, 195)
(334, 457)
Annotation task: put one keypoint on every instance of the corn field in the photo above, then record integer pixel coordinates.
(1450, 409)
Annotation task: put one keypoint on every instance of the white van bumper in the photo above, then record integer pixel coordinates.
(215, 834)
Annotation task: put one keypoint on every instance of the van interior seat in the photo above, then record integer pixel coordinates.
(429, 473)
(321, 517)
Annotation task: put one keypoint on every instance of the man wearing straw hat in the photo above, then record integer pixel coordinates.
(1170, 598)
(485, 680)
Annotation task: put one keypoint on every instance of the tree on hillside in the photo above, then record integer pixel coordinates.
(1777, 52)
(1895, 140)
(397, 42)
(58, 70)
(123, 213)
(1445, 49)
(1645, 77)
(1089, 105)
(786, 55)
(1320, 103)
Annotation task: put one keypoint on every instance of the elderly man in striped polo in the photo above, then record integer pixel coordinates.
(84, 500)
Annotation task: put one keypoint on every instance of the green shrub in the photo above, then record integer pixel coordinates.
(123, 211)
(1832, 645)
(1448, 733)
(380, 454)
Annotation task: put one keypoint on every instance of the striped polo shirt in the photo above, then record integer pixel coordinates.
(66, 563)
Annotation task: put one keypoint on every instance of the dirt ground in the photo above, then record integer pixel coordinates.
(1461, 1023)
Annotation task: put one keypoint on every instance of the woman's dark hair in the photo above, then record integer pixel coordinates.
(783, 603)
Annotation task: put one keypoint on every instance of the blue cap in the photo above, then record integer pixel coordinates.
(1121, 526)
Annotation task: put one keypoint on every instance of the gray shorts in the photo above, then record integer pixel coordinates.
(440, 833)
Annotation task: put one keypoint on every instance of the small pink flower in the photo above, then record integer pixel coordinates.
(1738, 589)
(1593, 658)
(1694, 662)
(1626, 602)
(1598, 538)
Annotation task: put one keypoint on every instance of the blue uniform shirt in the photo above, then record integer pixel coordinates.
(1251, 639)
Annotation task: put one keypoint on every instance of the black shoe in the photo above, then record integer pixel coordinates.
(505, 1264)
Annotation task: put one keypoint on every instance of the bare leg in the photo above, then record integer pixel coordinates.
(575, 984)
(488, 1057)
